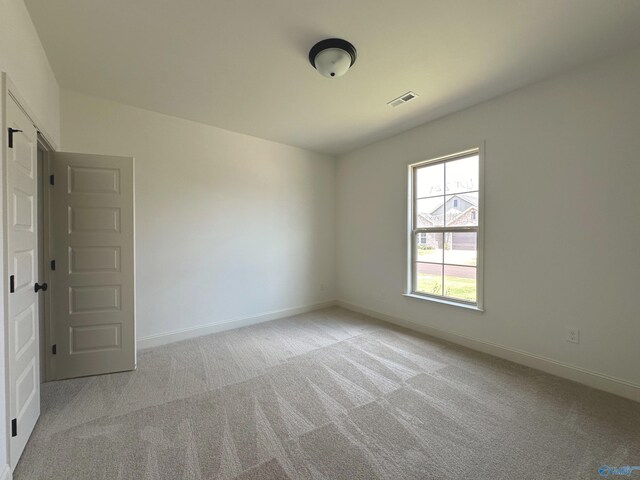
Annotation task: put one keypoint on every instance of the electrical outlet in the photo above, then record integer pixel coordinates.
(322, 287)
(573, 335)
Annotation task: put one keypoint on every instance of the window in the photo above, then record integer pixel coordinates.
(444, 238)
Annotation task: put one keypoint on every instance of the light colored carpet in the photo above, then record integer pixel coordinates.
(330, 394)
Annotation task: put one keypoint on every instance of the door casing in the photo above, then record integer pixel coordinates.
(44, 220)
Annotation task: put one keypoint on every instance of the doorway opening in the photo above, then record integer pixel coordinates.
(44, 218)
(69, 293)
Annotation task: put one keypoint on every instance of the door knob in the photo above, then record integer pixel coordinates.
(42, 287)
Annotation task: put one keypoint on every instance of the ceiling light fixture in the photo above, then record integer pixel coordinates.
(332, 57)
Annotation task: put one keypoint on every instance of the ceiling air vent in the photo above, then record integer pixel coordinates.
(404, 98)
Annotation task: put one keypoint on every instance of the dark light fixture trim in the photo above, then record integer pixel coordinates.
(332, 43)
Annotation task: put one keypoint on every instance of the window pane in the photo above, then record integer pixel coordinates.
(461, 248)
(460, 283)
(462, 175)
(430, 212)
(429, 247)
(445, 197)
(430, 181)
(462, 209)
(429, 278)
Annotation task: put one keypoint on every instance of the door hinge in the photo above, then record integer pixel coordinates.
(54, 349)
(12, 284)
(53, 264)
(52, 179)
(14, 427)
(11, 132)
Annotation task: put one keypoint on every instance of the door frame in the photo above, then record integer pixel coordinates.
(44, 218)
(8, 90)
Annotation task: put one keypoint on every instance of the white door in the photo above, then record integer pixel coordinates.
(92, 286)
(22, 253)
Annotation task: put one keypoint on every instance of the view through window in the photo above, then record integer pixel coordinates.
(445, 210)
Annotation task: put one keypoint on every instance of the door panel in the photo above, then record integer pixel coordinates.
(93, 287)
(94, 220)
(23, 302)
(94, 259)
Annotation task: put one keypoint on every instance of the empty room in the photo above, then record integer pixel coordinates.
(290, 240)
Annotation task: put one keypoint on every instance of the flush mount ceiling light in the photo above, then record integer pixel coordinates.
(332, 57)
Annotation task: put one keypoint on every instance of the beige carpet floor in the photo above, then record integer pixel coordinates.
(327, 395)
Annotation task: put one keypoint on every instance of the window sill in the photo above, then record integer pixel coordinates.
(453, 303)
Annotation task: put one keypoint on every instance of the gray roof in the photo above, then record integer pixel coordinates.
(467, 198)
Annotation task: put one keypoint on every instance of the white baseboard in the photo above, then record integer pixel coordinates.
(191, 332)
(590, 378)
(6, 473)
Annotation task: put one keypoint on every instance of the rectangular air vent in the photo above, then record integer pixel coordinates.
(404, 98)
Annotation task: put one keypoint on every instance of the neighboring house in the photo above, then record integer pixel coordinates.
(461, 209)
(455, 205)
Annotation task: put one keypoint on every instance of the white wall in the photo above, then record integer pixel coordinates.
(562, 226)
(227, 226)
(23, 58)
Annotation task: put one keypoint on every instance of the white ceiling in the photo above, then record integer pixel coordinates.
(242, 64)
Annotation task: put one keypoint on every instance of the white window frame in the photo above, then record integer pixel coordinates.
(410, 246)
